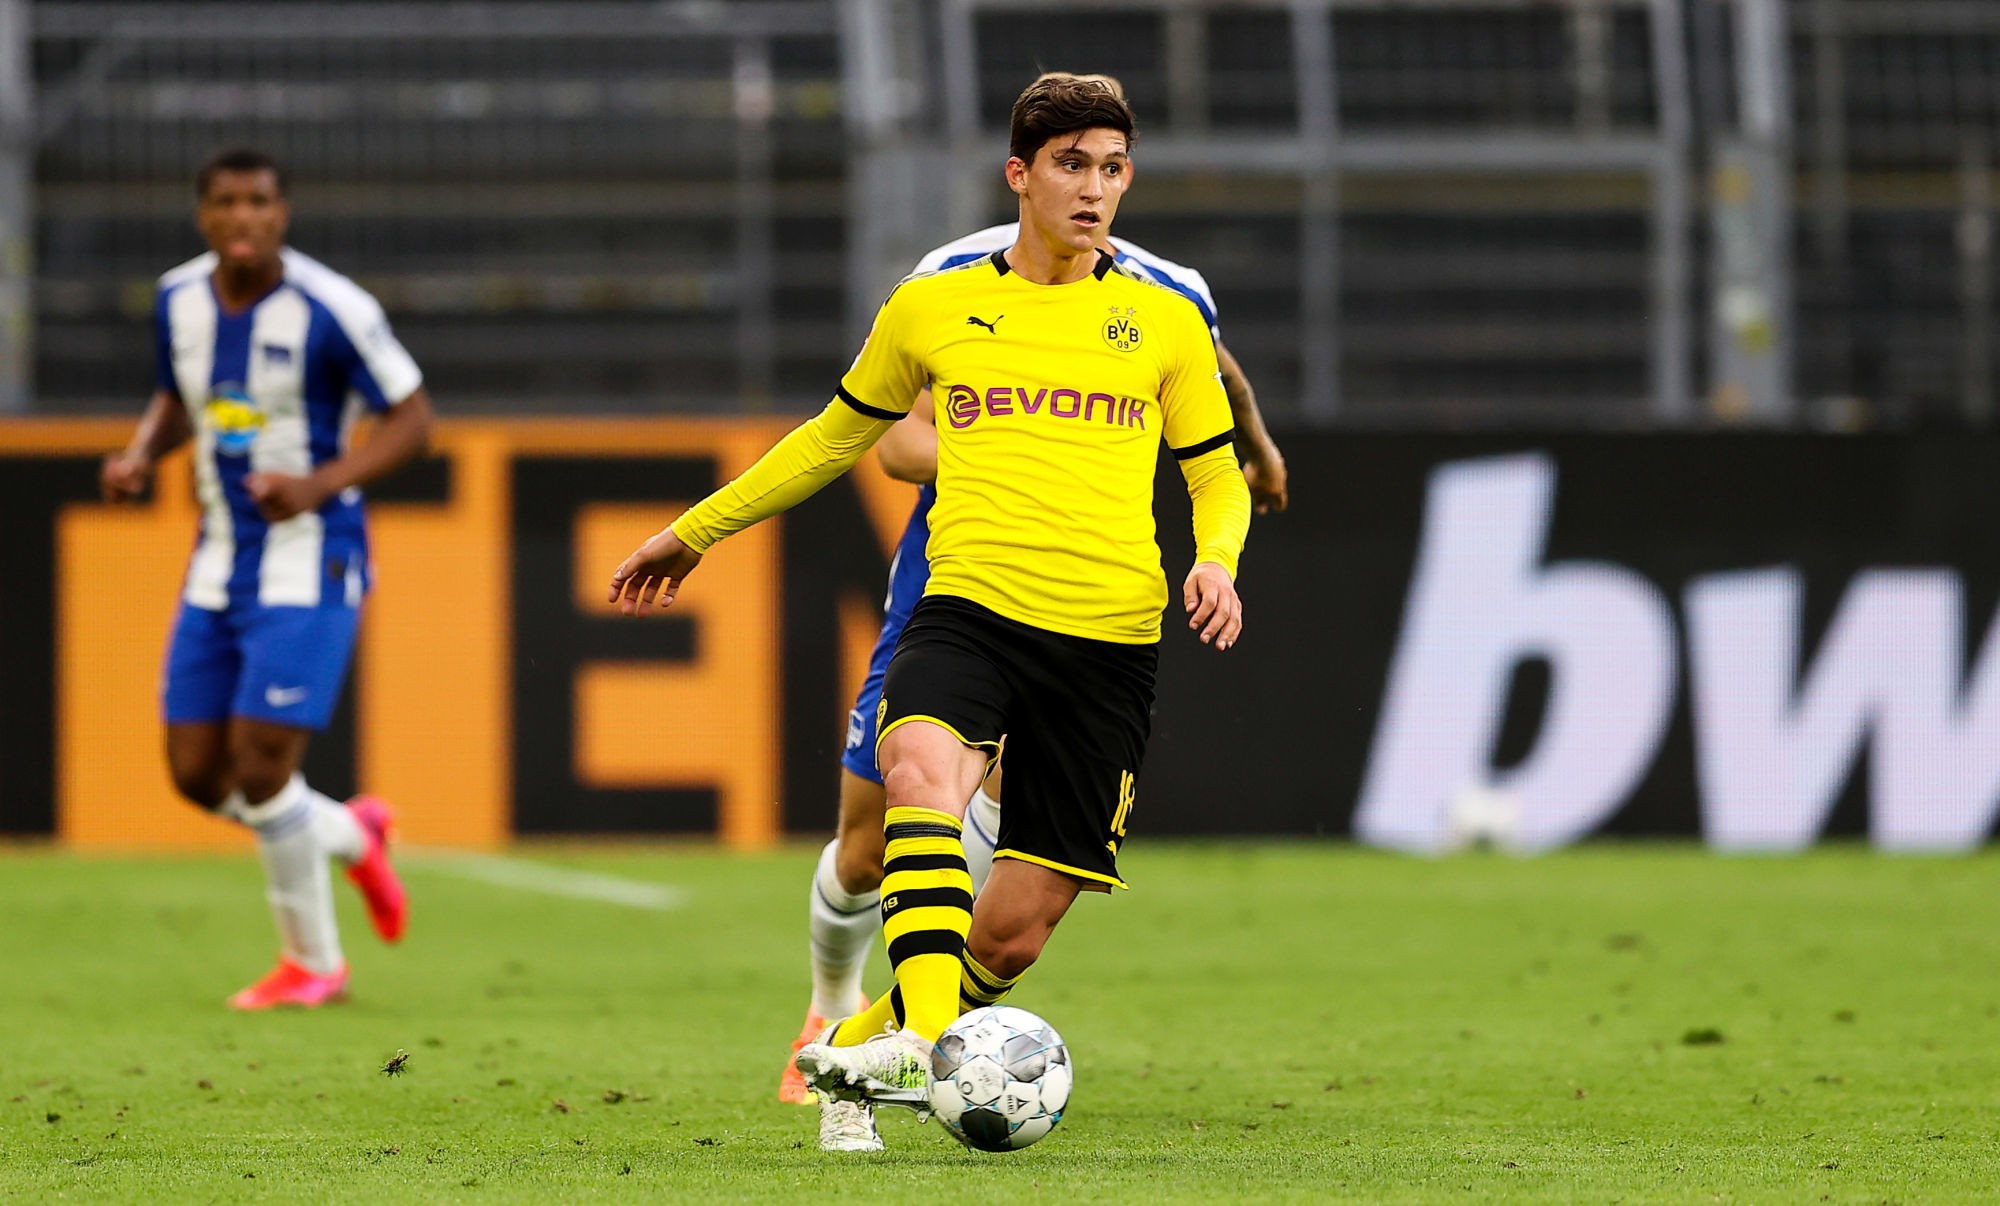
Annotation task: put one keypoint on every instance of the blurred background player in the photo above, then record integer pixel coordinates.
(264, 358)
(843, 903)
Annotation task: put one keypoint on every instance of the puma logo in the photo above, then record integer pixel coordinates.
(980, 322)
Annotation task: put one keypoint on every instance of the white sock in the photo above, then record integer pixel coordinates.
(295, 875)
(981, 836)
(334, 827)
(843, 928)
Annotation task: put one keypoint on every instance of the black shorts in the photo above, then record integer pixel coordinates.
(1075, 713)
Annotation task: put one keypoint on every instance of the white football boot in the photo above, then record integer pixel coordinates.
(847, 1126)
(844, 1126)
(889, 1069)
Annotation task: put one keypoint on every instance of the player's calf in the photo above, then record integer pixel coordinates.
(198, 762)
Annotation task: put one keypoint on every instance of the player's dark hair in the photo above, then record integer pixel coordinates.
(237, 159)
(1059, 103)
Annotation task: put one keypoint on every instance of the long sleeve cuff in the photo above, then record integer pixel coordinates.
(1221, 502)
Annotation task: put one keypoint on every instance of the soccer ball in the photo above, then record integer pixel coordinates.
(1000, 1078)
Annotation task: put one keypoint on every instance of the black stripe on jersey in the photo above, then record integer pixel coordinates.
(925, 862)
(1105, 261)
(904, 830)
(999, 260)
(925, 942)
(924, 898)
(873, 412)
(1208, 445)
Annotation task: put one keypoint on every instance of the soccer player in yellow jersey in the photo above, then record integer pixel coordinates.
(844, 905)
(1055, 376)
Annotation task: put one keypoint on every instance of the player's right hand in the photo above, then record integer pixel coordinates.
(1264, 472)
(655, 570)
(123, 476)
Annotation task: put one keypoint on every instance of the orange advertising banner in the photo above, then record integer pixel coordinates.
(494, 691)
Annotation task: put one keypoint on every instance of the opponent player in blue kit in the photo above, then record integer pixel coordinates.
(844, 904)
(265, 359)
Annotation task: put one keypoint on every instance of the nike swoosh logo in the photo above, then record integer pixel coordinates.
(284, 697)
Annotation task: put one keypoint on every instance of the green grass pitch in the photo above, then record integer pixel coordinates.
(1253, 1022)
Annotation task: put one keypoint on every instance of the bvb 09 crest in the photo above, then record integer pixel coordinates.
(1120, 330)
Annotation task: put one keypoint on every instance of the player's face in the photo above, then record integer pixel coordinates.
(1073, 187)
(243, 217)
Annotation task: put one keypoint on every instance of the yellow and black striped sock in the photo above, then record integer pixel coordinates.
(979, 987)
(926, 914)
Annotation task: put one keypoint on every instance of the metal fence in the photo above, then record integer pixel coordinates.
(1899, 105)
(580, 205)
(1445, 212)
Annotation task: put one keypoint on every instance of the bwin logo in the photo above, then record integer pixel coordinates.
(1776, 728)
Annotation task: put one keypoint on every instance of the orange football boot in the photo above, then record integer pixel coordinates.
(792, 1088)
(290, 984)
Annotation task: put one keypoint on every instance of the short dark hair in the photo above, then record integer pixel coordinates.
(237, 159)
(1059, 103)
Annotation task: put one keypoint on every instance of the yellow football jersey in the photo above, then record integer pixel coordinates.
(1051, 404)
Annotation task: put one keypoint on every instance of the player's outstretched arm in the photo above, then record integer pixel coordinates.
(399, 438)
(163, 428)
(653, 572)
(813, 454)
(1263, 465)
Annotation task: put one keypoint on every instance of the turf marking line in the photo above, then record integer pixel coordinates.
(554, 881)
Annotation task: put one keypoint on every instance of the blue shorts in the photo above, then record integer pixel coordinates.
(909, 571)
(285, 665)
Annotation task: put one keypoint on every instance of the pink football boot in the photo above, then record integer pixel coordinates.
(388, 904)
(290, 984)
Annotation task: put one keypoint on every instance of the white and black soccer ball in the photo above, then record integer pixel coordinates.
(1000, 1077)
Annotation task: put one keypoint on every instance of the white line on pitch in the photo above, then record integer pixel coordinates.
(555, 881)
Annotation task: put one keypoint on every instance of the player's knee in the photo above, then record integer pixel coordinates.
(204, 785)
(913, 783)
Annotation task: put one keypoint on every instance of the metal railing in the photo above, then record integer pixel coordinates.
(1413, 211)
(578, 204)
(1320, 127)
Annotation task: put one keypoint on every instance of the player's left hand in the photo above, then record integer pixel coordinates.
(1214, 611)
(655, 568)
(279, 496)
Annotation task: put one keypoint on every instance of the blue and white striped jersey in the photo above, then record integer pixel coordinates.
(275, 389)
(1180, 278)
